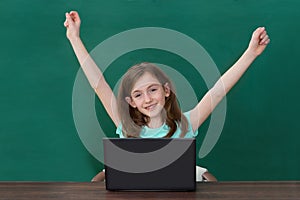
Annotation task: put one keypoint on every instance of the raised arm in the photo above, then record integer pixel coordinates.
(89, 67)
(204, 108)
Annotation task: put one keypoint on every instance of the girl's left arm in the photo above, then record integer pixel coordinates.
(204, 108)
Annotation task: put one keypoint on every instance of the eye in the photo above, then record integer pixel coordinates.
(136, 95)
(153, 89)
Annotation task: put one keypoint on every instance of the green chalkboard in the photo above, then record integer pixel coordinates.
(38, 137)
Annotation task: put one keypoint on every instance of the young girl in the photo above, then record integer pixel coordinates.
(146, 105)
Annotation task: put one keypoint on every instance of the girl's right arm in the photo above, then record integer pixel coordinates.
(89, 67)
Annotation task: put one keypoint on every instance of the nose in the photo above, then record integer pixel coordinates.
(147, 97)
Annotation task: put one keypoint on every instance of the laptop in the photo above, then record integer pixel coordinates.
(159, 164)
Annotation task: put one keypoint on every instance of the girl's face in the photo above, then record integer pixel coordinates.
(148, 95)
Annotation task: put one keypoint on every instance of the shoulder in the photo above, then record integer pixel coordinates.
(190, 133)
(188, 116)
(119, 131)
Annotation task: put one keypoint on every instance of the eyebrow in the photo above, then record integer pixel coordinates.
(153, 84)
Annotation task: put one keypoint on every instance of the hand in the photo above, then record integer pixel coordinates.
(259, 41)
(72, 24)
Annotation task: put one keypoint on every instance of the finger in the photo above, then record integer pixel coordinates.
(256, 35)
(66, 24)
(73, 12)
(261, 29)
(75, 16)
(69, 19)
(268, 41)
(263, 34)
(265, 40)
(263, 37)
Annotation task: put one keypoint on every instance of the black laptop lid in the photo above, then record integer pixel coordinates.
(150, 164)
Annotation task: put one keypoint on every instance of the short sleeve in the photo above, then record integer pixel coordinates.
(190, 133)
(119, 131)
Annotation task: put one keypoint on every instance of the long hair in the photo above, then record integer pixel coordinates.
(131, 126)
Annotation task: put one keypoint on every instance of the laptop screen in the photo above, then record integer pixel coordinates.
(149, 164)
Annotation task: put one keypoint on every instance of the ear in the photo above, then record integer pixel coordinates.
(130, 102)
(167, 89)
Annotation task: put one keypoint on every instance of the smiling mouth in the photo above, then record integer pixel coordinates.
(151, 107)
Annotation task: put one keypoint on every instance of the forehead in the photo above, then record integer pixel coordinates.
(144, 82)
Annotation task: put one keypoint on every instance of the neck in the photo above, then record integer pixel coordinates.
(155, 123)
(158, 121)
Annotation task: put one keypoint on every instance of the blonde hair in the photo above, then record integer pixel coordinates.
(131, 126)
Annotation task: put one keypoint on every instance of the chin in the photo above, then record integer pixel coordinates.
(154, 113)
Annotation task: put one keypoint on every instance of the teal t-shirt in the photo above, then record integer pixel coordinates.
(162, 131)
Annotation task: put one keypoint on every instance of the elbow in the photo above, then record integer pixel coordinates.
(217, 93)
(95, 84)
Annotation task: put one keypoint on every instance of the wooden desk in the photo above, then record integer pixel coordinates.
(90, 191)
